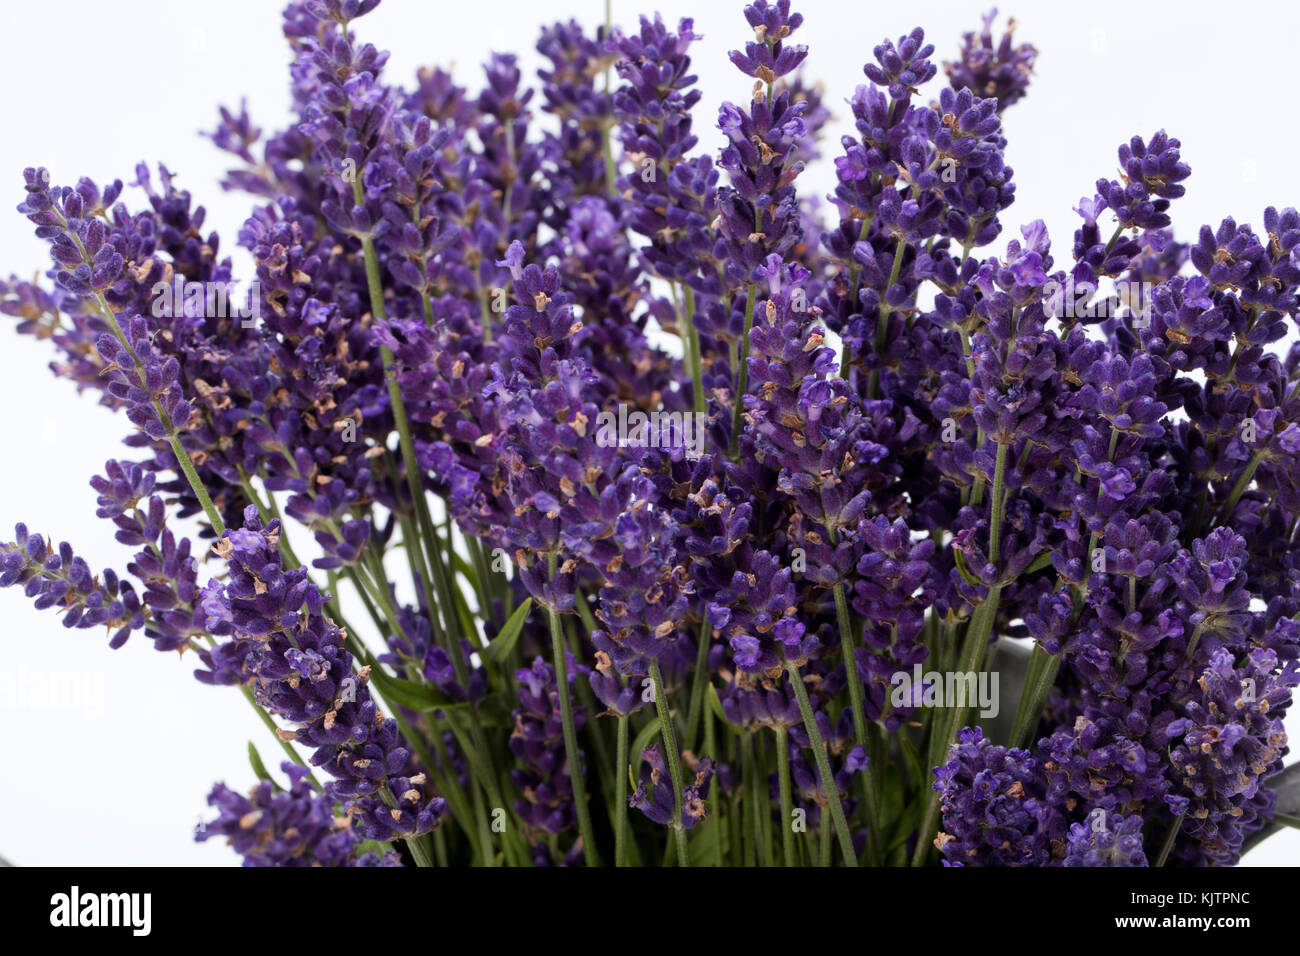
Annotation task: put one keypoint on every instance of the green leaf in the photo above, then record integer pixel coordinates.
(907, 824)
(648, 733)
(413, 696)
(463, 567)
(703, 841)
(1041, 677)
(504, 642)
(492, 712)
(913, 758)
(1044, 560)
(962, 568)
(715, 705)
(259, 768)
(892, 806)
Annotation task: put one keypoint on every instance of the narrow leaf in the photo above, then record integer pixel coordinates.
(913, 760)
(715, 705)
(259, 768)
(464, 568)
(962, 568)
(1044, 560)
(504, 642)
(412, 696)
(648, 733)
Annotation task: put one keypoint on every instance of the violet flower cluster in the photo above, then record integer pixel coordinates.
(656, 481)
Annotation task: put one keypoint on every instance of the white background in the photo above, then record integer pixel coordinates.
(117, 771)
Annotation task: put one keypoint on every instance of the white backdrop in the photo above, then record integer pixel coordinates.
(108, 756)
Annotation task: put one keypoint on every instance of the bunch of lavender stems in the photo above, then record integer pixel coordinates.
(683, 519)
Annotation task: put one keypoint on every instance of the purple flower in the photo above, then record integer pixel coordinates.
(276, 637)
(1229, 741)
(1106, 840)
(1153, 173)
(537, 741)
(991, 813)
(654, 792)
(294, 827)
(997, 70)
(60, 579)
(769, 57)
(904, 67)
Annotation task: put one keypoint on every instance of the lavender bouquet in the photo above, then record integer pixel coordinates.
(683, 519)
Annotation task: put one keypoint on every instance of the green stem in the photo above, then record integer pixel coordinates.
(1039, 680)
(829, 790)
(485, 829)
(1242, 484)
(620, 795)
(855, 272)
(357, 585)
(699, 402)
(976, 641)
(419, 852)
(455, 794)
(481, 577)
(571, 752)
(1114, 238)
(998, 504)
(847, 646)
(172, 436)
(974, 495)
(824, 844)
(742, 368)
(735, 819)
(763, 802)
(669, 733)
(379, 594)
(882, 320)
(699, 681)
(1170, 837)
(595, 728)
(415, 560)
(749, 783)
(787, 804)
(429, 536)
(719, 820)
